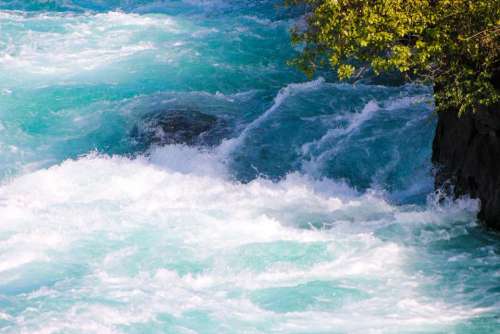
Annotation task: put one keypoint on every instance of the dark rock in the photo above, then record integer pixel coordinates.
(466, 152)
(188, 127)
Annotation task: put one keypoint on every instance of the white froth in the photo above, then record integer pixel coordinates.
(76, 43)
(131, 223)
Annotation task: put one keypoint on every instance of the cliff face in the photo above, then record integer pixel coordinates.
(466, 152)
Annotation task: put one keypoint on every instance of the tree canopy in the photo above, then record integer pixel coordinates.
(454, 44)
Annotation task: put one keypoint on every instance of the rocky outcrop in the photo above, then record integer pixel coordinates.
(178, 126)
(466, 153)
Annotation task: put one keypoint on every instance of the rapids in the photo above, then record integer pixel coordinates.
(314, 213)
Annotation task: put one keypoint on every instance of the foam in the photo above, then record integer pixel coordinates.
(81, 43)
(169, 241)
(179, 207)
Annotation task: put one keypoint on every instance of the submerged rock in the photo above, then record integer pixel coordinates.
(178, 126)
(466, 151)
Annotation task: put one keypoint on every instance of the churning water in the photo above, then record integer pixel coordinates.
(312, 213)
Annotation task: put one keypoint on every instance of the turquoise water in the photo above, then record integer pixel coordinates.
(312, 213)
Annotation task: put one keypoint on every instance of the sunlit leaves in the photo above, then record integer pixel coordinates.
(452, 43)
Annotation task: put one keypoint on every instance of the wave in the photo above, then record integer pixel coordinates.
(354, 120)
(315, 213)
(75, 44)
(230, 145)
(176, 233)
(143, 6)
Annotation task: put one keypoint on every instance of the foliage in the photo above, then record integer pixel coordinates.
(452, 43)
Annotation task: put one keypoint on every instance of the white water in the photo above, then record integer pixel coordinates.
(172, 237)
(298, 222)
